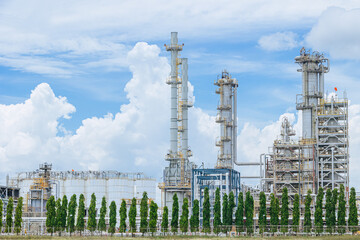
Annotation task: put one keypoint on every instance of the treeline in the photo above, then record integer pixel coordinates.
(329, 214)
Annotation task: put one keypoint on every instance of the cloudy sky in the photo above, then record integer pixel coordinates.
(82, 83)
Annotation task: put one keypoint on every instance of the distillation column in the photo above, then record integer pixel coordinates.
(313, 66)
(177, 175)
(226, 117)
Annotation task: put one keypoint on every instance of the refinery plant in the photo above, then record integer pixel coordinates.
(318, 158)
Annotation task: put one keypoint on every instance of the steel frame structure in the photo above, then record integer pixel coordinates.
(226, 180)
(321, 157)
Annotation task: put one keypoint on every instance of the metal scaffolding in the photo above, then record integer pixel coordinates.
(332, 143)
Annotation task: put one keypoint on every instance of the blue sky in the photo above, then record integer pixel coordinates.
(108, 60)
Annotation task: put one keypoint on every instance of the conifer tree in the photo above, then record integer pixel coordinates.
(58, 212)
(262, 213)
(112, 218)
(274, 213)
(353, 214)
(184, 219)
(284, 210)
(249, 212)
(225, 211)
(307, 215)
(9, 213)
(91, 225)
(18, 216)
(334, 201)
(231, 208)
(50, 215)
(296, 213)
(132, 216)
(122, 213)
(144, 211)
(195, 218)
(239, 214)
(80, 222)
(217, 212)
(175, 214)
(102, 223)
(64, 207)
(153, 217)
(165, 220)
(328, 210)
(342, 211)
(1, 213)
(71, 214)
(319, 224)
(206, 211)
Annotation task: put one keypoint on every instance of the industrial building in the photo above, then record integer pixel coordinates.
(320, 158)
(37, 186)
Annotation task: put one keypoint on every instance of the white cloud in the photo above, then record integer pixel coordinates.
(88, 33)
(279, 41)
(337, 32)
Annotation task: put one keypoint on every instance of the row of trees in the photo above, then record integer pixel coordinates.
(334, 202)
(60, 215)
(69, 216)
(244, 214)
(9, 224)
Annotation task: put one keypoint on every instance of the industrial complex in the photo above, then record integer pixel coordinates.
(316, 157)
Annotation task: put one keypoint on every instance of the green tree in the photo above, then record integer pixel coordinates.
(80, 223)
(58, 220)
(144, 211)
(91, 224)
(18, 215)
(262, 212)
(175, 214)
(1, 213)
(9, 213)
(231, 208)
(225, 211)
(102, 223)
(153, 217)
(112, 218)
(123, 216)
(239, 214)
(184, 218)
(328, 211)
(342, 211)
(217, 212)
(165, 220)
(71, 214)
(195, 218)
(334, 201)
(206, 211)
(274, 213)
(307, 215)
(353, 216)
(132, 216)
(249, 212)
(50, 215)
(296, 213)
(64, 207)
(319, 224)
(284, 210)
